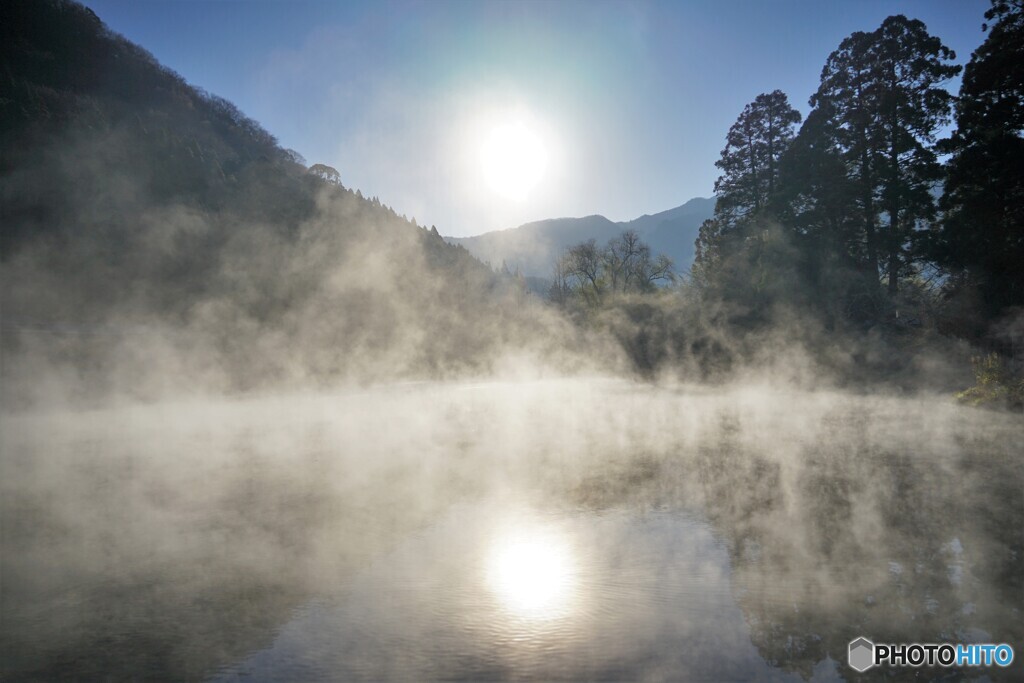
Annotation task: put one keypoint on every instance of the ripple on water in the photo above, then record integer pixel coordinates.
(616, 595)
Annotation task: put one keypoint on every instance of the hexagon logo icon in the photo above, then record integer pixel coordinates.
(862, 654)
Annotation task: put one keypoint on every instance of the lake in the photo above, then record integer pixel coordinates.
(561, 529)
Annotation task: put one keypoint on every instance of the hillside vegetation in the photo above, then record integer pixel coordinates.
(153, 233)
(858, 244)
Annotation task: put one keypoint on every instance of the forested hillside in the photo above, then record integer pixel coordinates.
(149, 223)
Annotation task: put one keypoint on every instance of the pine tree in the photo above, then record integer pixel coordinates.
(883, 92)
(982, 233)
(750, 160)
(750, 165)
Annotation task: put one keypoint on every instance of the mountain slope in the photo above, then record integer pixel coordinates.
(534, 247)
(153, 236)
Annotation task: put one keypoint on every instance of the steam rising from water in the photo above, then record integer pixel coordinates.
(192, 530)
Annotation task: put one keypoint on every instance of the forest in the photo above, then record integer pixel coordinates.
(893, 214)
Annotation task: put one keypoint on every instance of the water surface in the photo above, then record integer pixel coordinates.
(558, 530)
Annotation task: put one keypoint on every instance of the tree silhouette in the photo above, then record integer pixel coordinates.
(750, 160)
(982, 235)
(750, 164)
(326, 173)
(882, 92)
(622, 266)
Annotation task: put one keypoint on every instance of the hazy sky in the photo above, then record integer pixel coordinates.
(628, 103)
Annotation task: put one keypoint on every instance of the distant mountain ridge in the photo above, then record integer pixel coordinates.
(533, 247)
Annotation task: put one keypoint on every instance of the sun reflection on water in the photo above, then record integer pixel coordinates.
(532, 572)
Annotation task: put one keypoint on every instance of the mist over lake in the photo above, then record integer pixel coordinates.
(382, 534)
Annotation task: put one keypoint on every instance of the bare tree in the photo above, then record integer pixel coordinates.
(662, 268)
(623, 265)
(561, 285)
(621, 257)
(585, 264)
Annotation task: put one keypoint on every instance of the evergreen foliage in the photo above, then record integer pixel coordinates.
(981, 238)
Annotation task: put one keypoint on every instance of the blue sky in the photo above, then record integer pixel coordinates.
(631, 100)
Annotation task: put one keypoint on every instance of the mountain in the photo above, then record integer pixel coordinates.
(154, 237)
(534, 247)
(674, 232)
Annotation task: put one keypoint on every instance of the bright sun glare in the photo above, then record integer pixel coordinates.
(514, 159)
(532, 574)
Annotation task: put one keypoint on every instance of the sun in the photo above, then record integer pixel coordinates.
(513, 158)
